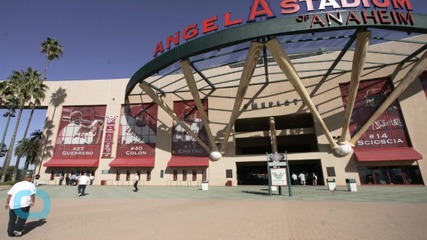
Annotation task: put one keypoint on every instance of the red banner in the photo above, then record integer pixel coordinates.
(109, 133)
(389, 130)
(80, 132)
(137, 136)
(183, 144)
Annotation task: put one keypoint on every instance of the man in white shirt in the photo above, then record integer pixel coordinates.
(295, 178)
(302, 178)
(19, 200)
(83, 180)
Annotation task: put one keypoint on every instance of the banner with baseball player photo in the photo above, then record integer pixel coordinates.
(389, 130)
(137, 135)
(80, 132)
(183, 144)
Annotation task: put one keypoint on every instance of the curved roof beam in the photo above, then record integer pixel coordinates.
(191, 82)
(288, 69)
(257, 30)
(359, 57)
(147, 89)
(248, 70)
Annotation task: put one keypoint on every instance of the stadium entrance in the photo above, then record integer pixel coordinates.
(255, 173)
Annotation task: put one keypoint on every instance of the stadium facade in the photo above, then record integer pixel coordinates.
(338, 93)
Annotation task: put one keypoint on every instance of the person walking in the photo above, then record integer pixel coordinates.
(73, 179)
(295, 179)
(21, 197)
(83, 180)
(314, 177)
(302, 178)
(135, 184)
(92, 178)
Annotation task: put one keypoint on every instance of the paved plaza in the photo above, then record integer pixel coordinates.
(242, 212)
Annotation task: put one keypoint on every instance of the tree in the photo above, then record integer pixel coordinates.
(29, 148)
(9, 171)
(38, 94)
(52, 50)
(10, 103)
(2, 91)
(6, 95)
(24, 85)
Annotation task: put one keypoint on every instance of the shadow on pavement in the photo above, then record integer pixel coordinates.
(256, 193)
(29, 226)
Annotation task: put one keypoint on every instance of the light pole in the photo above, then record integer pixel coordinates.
(10, 113)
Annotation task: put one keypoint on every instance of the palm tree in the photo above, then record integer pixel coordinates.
(6, 94)
(29, 148)
(2, 91)
(38, 95)
(24, 85)
(52, 50)
(6, 100)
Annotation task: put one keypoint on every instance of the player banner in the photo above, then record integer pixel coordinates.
(109, 133)
(80, 132)
(389, 130)
(137, 136)
(183, 144)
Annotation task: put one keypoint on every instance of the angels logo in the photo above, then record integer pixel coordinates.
(278, 175)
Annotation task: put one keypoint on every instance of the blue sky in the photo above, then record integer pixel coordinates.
(102, 39)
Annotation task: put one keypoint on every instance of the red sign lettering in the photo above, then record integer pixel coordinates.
(208, 25)
(260, 8)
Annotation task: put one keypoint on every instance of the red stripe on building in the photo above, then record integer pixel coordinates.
(72, 162)
(188, 161)
(394, 154)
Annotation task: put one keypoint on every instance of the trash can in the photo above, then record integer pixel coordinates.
(332, 185)
(205, 185)
(103, 182)
(351, 184)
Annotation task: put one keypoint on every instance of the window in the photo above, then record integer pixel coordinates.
(184, 175)
(330, 171)
(229, 173)
(390, 175)
(204, 175)
(175, 175)
(194, 174)
(148, 175)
